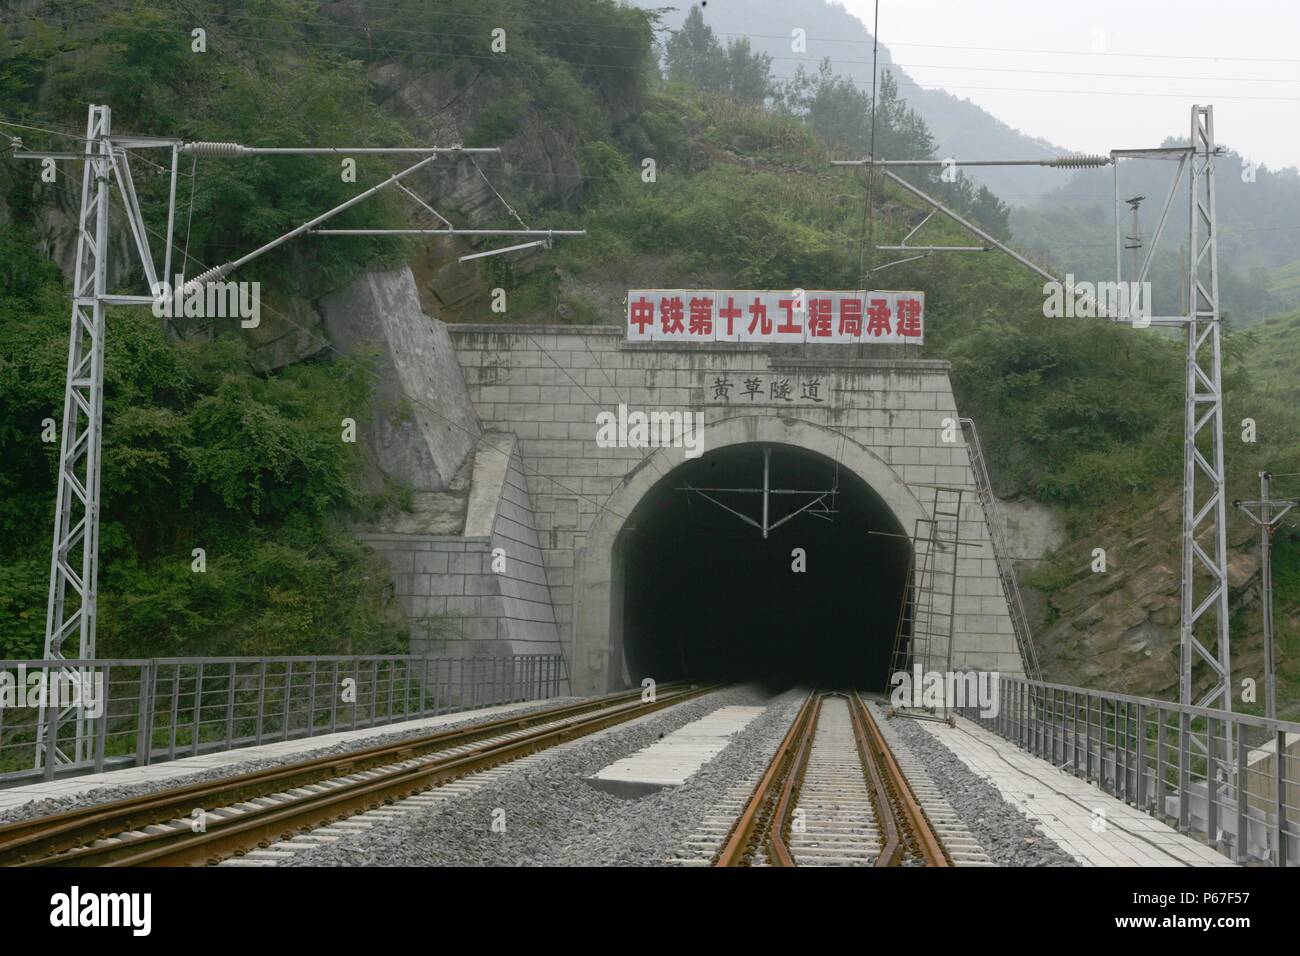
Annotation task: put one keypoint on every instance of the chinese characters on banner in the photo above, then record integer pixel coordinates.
(838, 318)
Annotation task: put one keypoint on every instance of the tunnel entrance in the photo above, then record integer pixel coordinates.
(706, 596)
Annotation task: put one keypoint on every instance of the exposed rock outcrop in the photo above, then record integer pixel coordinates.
(1119, 629)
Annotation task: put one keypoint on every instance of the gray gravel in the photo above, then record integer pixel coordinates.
(553, 818)
(100, 795)
(1007, 835)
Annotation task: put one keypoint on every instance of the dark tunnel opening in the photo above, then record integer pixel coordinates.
(706, 597)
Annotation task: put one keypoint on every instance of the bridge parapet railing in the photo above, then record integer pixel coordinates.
(1230, 780)
(142, 711)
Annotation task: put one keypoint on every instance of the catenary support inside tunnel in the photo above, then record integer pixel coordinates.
(705, 596)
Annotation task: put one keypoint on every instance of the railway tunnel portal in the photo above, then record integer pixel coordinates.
(614, 553)
(759, 561)
(651, 577)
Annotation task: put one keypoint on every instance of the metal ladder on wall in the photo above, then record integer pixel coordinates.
(924, 634)
(1001, 550)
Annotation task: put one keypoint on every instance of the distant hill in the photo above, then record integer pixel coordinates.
(960, 127)
(1259, 231)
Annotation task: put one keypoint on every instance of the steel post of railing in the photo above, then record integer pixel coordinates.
(1140, 745)
(1162, 766)
(101, 728)
(230, 704)
(334, 699)
(1184, 769)
(1239, 846)
(148, 679)
(261, 698)
(1279, 820)
(1211, 784)
(174, 712)
(286, 712)
(198, 711)
(374, 692)
(311, 700)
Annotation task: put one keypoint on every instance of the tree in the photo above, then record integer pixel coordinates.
(748, 73)
(696, 57)
(694, 54)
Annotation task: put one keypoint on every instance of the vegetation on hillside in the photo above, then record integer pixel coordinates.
(201, 451)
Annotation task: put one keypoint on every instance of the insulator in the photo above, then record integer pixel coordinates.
(203, 278)
(1080, 161)
(213, 149)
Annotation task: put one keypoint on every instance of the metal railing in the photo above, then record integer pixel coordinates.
(144, 711)
(1167, 759)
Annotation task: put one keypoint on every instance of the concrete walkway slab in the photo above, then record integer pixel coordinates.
(674, 759)
(1092, 826)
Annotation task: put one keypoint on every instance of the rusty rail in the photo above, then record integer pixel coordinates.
(927, 842)
(79, 837)
(870, 746)
(749, 825)
(766, 817)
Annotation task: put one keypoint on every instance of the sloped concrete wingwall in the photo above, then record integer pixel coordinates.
(527, 615)
(425, 434)
(482, 593)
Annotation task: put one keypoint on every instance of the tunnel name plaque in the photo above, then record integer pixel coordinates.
(778, 317)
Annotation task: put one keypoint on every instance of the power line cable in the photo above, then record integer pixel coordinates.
(329, 346)
(905, 81)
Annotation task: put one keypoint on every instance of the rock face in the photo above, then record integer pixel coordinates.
(444, 110)
(539, 163)
(424, 425)
(57, 228)
(1119, 629)
(1033, 530)
(289, 331)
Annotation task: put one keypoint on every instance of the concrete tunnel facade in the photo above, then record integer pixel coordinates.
(575, 516)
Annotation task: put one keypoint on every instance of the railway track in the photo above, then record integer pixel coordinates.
(833, 795)
(238, 814)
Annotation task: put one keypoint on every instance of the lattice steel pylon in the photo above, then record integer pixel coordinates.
(74, 561)
(1205, 573)
(75, 550)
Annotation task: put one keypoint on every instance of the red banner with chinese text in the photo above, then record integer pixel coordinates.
(837, 318)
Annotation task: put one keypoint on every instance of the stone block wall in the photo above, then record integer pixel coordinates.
(489, 612)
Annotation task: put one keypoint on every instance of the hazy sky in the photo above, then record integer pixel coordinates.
(1115, 68)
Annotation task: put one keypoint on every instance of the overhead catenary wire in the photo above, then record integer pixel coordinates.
(1052, 195)
(316, 335)
(902, 80)
(325, 23)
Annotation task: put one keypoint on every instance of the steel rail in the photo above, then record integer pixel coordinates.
(747, 829)
(928, 843)
(266, 825)
(778, 851)
(766, 817)
(870, 746)
(67, 837)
